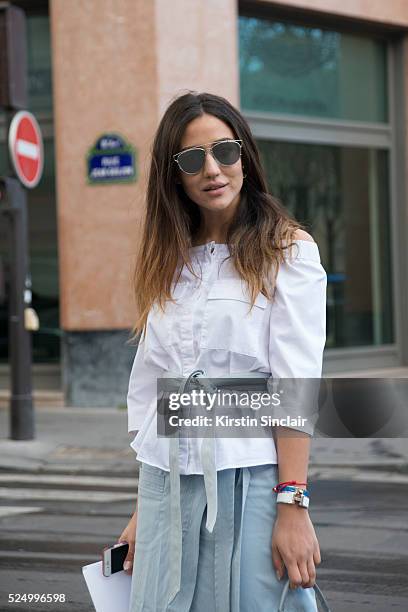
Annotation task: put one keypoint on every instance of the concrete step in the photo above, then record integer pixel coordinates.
(42, 398)
(44, 376)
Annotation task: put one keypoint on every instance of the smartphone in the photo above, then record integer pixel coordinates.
(113, 558)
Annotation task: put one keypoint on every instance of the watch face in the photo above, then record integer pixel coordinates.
(305, 501)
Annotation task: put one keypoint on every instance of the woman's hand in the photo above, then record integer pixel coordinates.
(129, 535)
(295, 546)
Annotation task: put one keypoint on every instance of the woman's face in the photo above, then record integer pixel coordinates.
(203, 131)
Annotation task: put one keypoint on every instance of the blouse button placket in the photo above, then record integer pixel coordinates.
(188, 341)
(210, 250)
(186, 333)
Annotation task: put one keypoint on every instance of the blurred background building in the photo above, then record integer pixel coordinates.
(323, 86)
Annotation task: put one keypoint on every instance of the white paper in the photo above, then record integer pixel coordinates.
(108, 593)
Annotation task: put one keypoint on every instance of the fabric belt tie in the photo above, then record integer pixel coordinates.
(208, 463)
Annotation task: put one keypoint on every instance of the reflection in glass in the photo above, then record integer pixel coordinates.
(39, 63)
(301, 70)
(342, 195)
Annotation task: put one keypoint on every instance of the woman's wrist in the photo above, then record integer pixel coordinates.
(290, 509)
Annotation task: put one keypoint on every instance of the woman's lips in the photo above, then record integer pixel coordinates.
(216, 192)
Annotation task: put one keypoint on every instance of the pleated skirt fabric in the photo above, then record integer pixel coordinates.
(228, 570)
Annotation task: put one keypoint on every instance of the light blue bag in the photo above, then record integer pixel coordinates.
(319, 596)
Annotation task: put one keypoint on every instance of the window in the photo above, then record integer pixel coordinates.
(342, 194)
(317, 103)
(286, 68)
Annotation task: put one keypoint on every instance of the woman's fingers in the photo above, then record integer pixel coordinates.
(311, 570)
(301, 572)
(304, 572)
(277, 562)
(316, 554)
(128, 535)
(295, 578)
(128, 562)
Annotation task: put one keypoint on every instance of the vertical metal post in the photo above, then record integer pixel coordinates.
(13, 96)
(20, 351)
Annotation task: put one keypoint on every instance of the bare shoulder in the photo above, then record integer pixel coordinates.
(302, 235)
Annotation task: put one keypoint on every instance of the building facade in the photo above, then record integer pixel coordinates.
(323, 86)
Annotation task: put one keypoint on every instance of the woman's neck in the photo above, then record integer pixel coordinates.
(201, 239)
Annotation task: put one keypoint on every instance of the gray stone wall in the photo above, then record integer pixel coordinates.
(96, 367)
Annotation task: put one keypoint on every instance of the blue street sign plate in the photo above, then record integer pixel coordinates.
(111, 160)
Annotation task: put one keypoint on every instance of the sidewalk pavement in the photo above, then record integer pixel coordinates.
(76, 440)
(96, 441)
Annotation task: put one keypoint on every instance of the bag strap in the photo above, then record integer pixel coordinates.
(321, 598)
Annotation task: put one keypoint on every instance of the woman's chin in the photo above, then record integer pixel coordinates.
(219, 203)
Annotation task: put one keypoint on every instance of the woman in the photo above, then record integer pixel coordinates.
(220, 292)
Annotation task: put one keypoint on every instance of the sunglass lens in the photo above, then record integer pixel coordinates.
(191, 161)
(227, 153)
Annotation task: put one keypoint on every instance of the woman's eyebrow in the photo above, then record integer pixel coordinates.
(201, 145)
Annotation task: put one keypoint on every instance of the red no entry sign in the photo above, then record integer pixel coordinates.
(26, 148)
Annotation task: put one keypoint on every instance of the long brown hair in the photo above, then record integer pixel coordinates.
(260, 231)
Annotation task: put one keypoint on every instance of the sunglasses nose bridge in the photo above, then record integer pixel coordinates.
(210, 161)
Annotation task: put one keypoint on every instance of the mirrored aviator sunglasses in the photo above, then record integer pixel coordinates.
(225, 152)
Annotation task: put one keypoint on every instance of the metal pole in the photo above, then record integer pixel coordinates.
(22, 425)
(13, 95)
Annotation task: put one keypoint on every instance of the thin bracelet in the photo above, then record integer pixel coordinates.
(281, 485)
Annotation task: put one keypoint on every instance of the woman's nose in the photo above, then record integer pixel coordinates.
(211, 167)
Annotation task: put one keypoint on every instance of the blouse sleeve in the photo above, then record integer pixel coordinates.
(298, 318)
(142, 388)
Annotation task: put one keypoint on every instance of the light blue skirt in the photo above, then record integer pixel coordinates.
(228, 570)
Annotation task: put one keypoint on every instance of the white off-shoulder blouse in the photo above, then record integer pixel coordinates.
(209, 328)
